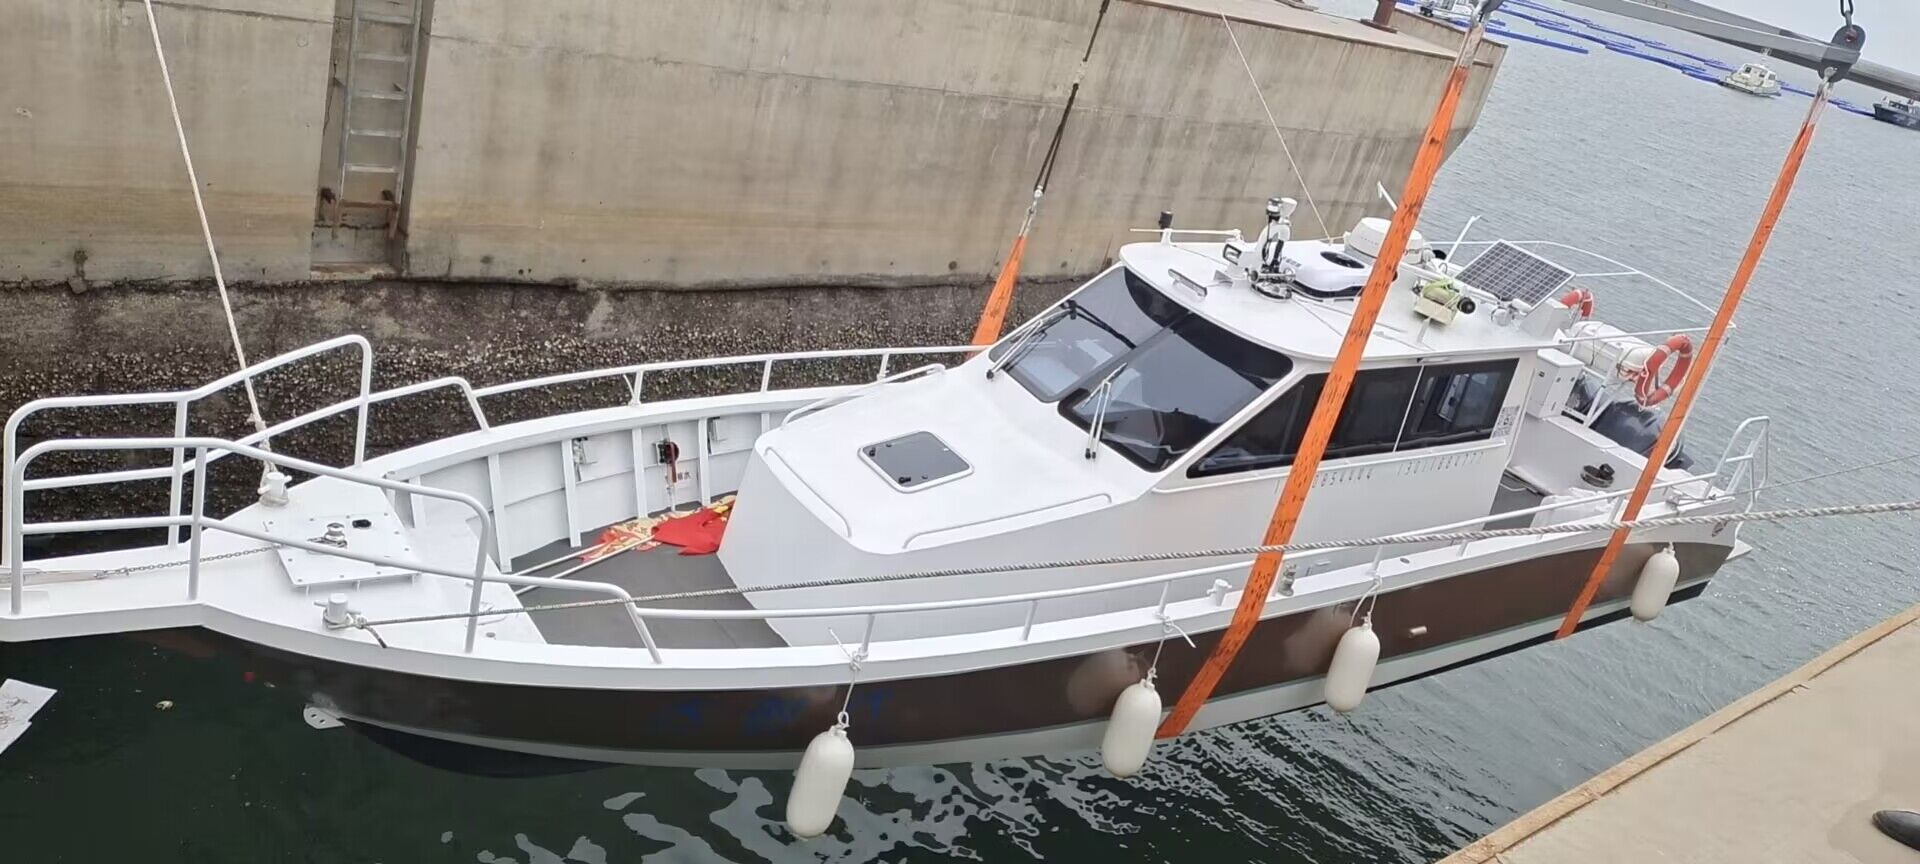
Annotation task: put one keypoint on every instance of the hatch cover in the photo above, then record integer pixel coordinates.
(915, 461)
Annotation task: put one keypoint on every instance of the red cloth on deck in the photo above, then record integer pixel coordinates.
(697, 533)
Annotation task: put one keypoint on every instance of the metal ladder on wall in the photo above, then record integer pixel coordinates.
(395, 166)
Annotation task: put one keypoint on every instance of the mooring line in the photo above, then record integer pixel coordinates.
(206, 233)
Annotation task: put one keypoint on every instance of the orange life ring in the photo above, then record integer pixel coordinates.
(1649, 390)
(1579, 298)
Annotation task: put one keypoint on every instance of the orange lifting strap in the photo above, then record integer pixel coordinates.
(1702, 360)
(993, 317)
(1339, 380)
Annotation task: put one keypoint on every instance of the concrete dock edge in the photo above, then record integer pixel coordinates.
(1493, 846)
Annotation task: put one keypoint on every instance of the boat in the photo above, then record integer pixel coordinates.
(1446, 8)
(1900, 112)
(1753, 78)
(964, 554)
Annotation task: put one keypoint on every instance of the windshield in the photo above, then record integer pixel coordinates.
(1179, 376)
(1087, 333)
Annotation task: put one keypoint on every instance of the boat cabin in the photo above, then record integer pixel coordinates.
(1158, 406)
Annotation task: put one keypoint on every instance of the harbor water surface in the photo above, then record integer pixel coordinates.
(1602, 150)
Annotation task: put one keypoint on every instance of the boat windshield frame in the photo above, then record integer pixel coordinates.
(1177, 377)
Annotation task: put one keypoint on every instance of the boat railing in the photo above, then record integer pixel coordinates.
(850, 395)
(1624, 271)
(1032, 600)
(1720, 482)
(1753, 432)
(197, 523)
(184, 400)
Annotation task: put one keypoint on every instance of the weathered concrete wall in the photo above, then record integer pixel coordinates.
(91, 163)
(696, 142)
(688, 142)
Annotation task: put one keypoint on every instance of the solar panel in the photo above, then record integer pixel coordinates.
(1511, 273)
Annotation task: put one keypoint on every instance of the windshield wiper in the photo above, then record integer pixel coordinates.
(1097, 425)
(1020, 346)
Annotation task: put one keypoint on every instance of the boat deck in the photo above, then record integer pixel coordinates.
(1790, 773)
(659, 570)
(664, 570)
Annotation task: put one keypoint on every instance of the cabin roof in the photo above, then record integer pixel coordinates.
(1303, 327)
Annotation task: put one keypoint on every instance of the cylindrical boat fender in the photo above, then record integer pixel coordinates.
(1129, 737)
(819, 783)
(1657, 578)
(1352, 667)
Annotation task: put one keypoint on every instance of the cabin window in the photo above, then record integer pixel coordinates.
(1087, 333)
(1388, 410)
(1456, 403)
(1176, 389)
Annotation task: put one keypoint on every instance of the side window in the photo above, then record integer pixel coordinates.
(1387, 410)
(1457, 403)
(1370, 420)
(1269, 439)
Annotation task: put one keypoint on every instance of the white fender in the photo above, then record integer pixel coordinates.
(819, 783)
(1657, 578)
(1136, 714)
(1352, 667)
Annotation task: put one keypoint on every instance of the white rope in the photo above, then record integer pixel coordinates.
(206, 233)
(1304, 191)
(1229, 552)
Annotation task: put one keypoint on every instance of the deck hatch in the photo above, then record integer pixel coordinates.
(915, 461)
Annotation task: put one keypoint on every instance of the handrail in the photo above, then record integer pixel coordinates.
(198, 523)
(180, 399)
(16, 505)
(471, 394)
(16, 517)
(1629, 269)
(105, 477)
(639, 613)
(741, 360)
(862, 390)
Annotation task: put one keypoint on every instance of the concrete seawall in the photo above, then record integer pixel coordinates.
(694, 143)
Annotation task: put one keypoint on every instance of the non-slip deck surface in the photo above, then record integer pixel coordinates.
(655, 571)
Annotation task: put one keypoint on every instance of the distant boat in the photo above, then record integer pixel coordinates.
(1753, 78)
(1900, 112)
(1431, 8)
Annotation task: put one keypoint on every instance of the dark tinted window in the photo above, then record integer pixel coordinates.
(1457, 403)
(1387, 409)
(1370, 419)
(1087, 333)
(1176, 389)
(1268, 440)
